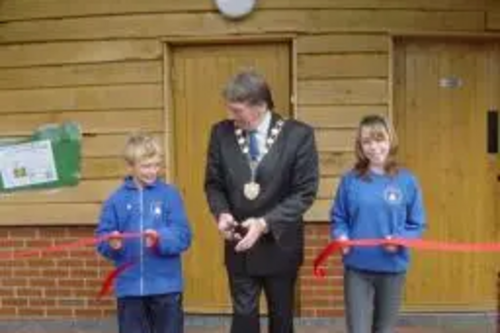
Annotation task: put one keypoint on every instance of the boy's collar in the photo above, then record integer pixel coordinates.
(131, 184)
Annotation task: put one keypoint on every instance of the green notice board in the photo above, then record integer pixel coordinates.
(50, 158)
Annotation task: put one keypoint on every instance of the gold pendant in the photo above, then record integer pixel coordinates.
(251, 190)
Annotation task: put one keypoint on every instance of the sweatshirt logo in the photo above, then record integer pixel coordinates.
(156, 208)
(393, 195)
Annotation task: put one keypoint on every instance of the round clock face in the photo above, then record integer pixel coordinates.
(235, 8)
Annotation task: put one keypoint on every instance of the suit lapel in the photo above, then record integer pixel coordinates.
(272, 150)
(241, 160)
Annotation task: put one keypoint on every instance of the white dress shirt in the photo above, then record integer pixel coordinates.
(261, 134)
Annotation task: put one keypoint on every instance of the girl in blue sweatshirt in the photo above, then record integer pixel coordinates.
(376, 199)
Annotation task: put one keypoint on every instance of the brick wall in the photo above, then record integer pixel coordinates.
(65, 284)
(320, 297)
(62, 284)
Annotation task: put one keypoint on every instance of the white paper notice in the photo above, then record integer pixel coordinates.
(26, 164)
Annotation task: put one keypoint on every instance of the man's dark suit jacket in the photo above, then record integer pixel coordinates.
(288, 176)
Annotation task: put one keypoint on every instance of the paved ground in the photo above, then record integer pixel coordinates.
(333, 330)
(204, 325)
(224, 329)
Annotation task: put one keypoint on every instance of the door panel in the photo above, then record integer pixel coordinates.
(442, 94)
(199, 75)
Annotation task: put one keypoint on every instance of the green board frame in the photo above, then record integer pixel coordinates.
(66, 144)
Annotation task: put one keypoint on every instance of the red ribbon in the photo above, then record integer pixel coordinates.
(110, 278)
(82, 242)
(334, 246)
(418, 244)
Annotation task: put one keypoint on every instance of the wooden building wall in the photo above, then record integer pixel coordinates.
(100, 63)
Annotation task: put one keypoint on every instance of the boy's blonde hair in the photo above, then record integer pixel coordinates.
(140, 147)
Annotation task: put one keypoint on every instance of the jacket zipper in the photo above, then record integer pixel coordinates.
(141, 208)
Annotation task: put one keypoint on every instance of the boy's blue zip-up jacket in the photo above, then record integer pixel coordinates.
(378, 207)
(159, 206)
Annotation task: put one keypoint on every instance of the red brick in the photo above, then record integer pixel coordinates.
(42, 302)
(307, 312)
(13, 263)
(57, 292)
(93, 283)
(56, 273)
(68, 263)
(11, 243)
(81, 254)
(23, 232)
(325, 303)
(94, 263)
(60, 312)
(42, 282)
(95, 303)
(332, 313)
(71, 302)
(15, 282)
(39, 243)
(15, 302)
(55, 233)
(5, 292)
(27, 292)
(80, 232)
(109, 312)
(31, 272)
(71, 283)
(8, 272)
(89, 313)
(5, 311)
(42, 262)
(30, 312)
(61, 242)
(91, 293)
(84, 273)
(59, 254)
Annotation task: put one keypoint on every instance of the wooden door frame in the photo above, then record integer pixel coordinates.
(445, 38)
(168, 44)
(168, 95)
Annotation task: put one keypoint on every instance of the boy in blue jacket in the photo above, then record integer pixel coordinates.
(149, 293)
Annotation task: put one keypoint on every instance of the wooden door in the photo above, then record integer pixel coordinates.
(199, 75)
(443, 91)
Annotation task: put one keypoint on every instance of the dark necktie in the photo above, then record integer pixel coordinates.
(253, 146)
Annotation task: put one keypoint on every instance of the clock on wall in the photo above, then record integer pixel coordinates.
(235, 9)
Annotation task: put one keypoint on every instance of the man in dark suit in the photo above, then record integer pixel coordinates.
(261, 177)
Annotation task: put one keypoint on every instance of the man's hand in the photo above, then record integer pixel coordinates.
(115, 240)
(392, 248)
(255, 227)
(344, 248)
(227, 226)
(151, 236)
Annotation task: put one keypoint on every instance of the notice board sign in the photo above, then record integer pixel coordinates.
(50, 158)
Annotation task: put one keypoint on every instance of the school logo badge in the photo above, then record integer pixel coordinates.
(393, 195)
(156, 208)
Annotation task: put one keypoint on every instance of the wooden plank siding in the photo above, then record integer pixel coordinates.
(101, 64)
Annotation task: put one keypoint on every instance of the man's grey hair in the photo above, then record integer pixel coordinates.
(248, 87)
